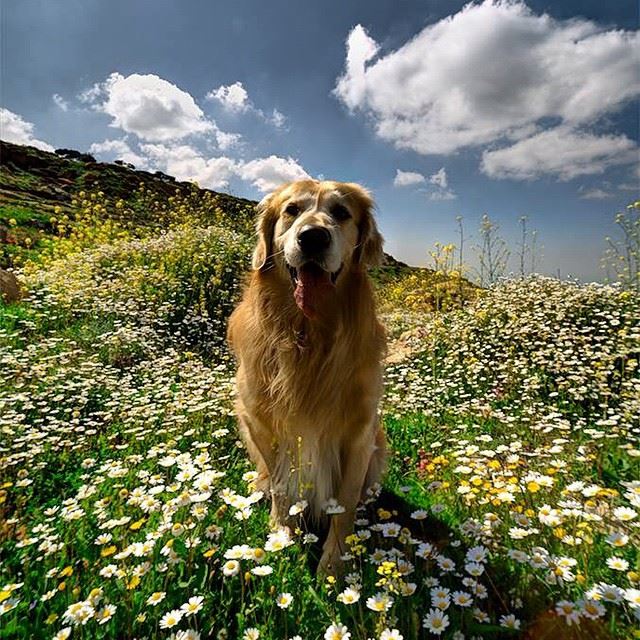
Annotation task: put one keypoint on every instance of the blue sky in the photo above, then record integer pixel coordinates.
(504, 108)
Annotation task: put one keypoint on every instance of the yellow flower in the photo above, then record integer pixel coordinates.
(133, 583)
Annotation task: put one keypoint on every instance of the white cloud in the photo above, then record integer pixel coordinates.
(560, 152)
(440, 181)
(407, 178)
(352, 87)
(442, 194)
(268, 173)
(439, 178)
(227, 140)
(492, 72)
(186, 163)
(233, 97)
(278, 119)
(118, 150)
(594, 194)
(148, 106)
(13, 128)
(60, 102)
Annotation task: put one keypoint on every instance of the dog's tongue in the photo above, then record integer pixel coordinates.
(313, 284)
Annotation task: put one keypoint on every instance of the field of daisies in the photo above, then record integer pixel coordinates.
(127, 503)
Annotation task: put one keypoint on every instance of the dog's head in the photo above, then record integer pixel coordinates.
(313, 233)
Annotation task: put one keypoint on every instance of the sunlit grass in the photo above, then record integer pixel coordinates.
(127, 504)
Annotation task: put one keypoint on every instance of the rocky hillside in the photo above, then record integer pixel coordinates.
(36, 186)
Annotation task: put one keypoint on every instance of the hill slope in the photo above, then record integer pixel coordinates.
(36, 186)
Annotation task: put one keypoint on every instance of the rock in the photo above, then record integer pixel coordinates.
(9, 287)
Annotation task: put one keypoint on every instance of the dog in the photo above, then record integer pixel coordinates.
(309, 348)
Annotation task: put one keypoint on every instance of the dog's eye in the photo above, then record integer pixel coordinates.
(340, 212)
(292, 209)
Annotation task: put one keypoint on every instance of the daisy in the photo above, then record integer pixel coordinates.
(617, 564)
(591, 609)
(609, 593)
(617, 539)
(278, 540)
(332, 507)
(251, 634)
(284, 600)
(263, 570)
(156, 598)
(632, 596)
(624, 514)
(105, 614)
(391, 634)
(462, 599)
(446, 564)
(192, 606)
(436, 621)
(170, 619)
(509, 622)
(349, 596)
(337, 632)
(568, 611)
(231, 568)
(297, 508)
(379, 603)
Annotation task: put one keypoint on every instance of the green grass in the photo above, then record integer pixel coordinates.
(513, 428)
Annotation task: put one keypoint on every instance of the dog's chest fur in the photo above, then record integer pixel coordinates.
(313, 387)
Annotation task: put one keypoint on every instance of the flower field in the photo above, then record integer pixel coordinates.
(127, 504)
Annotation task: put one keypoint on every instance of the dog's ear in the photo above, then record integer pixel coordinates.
(265, 226)
(368, 251)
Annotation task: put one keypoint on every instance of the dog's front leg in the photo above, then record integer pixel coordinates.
(259, 443)
(355, 463)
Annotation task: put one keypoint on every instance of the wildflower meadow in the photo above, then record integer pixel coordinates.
(127, 502)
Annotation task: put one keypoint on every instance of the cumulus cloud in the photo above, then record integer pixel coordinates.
(492, 72)
(13, 128)
(118, 150)
(439, 178)
(149, 107)
(233, 97)
(268, 173)
(353, 86)
(407, 178)
(561, 152)
(184, 162)
(441, 190)
(226, 140)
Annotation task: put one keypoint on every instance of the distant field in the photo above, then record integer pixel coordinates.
(127, 508)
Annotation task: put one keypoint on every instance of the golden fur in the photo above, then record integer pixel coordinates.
(308, 388)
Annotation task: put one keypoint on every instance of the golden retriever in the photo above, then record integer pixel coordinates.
(309, 350)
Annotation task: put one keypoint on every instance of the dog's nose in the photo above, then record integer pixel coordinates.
(313, 240)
